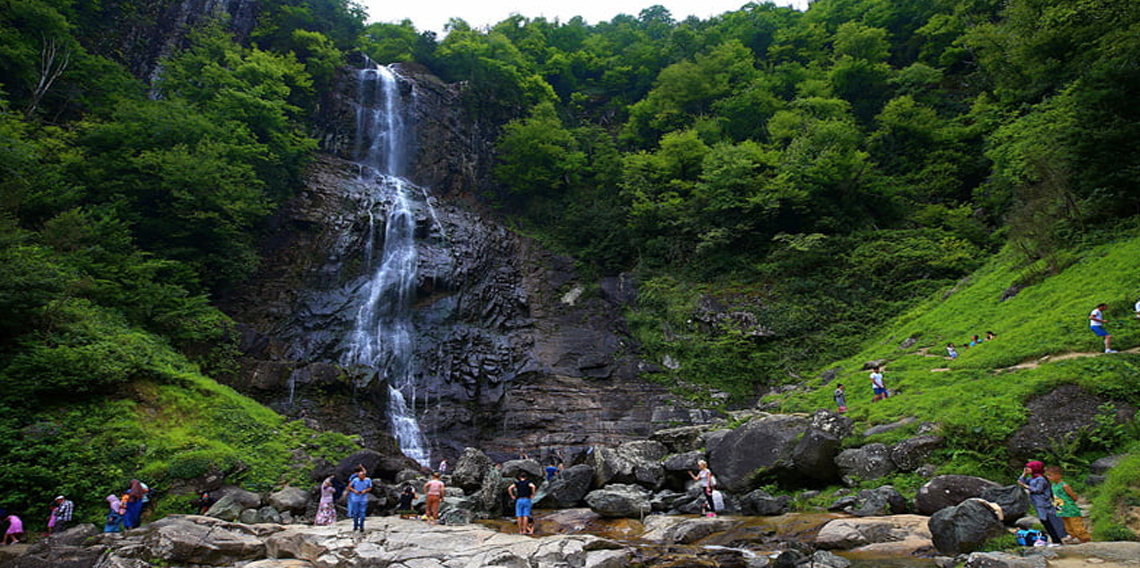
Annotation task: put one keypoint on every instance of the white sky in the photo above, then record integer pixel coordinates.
(433, 14)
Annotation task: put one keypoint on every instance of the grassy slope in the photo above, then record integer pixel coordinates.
(978, 401)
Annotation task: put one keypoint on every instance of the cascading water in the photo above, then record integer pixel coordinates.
(383, 334)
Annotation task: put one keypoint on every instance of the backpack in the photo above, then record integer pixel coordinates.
(1029, 537)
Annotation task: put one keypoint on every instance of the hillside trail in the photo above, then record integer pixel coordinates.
(1052, 358)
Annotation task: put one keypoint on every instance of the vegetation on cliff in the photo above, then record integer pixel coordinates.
(786, 184)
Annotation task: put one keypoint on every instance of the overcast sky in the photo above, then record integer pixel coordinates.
(433, 14)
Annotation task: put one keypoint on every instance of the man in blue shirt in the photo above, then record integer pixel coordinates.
(358, 489)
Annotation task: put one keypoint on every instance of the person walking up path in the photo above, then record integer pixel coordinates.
(1096, 324)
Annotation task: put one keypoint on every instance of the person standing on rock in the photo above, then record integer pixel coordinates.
(434, 492)
(358, 489)
(326, 509)
(1069, 511)
(521, 492)
(708, 483)
(443, 466)
(878, 385)
(132, 518)
(64, 510)
(1041, 496)
(1096, 325)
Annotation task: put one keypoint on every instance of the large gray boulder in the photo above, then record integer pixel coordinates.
(760, 503)
(680, 440)
(893, 532)
(512, 468)
(639, 462)
(230, 507)
(470, 469)
(912, 453)
(290, 499)
(885, 500)
(762, 445)
(872, 461)
(1013, 500)
(619, 500)
(949, 490)
(965, 527)
(567, 489)
(181, 540)
(814, 456)
(832, 423)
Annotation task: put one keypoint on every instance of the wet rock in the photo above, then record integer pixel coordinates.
(910, 454)
(568, 489)
(949, 490)
(865, 463)
(1003, 560)
(909, 531)
(965, 527)
(618, 500)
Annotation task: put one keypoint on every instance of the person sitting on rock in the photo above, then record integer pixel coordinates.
(406, 499)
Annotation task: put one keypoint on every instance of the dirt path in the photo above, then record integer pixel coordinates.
(1062, 357)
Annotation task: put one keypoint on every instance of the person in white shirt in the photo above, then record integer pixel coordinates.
(1096, 324)
(878, 385)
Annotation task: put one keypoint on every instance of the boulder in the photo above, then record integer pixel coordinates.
(965, 527)
(883, 428)
(511, 469)
(832, 423)
(180, 540)
(246, 498)
(910, 454)
(814, 456)
(825, 559)
(75, 536)
(290, 499)
(379, 466)
(268, 514)
(949, 490)
(637, 462)
(867, 532)
(1004, 560)
(1013, 500)
(868, 462)
(680, 440)
(248, 517)
(762, 445)
(470, 469)
(759, 503)
(619, 500)
(567, 489)
(227, 508)
(687, 530)
(885, 500)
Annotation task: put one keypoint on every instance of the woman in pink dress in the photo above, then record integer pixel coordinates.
(326, 511)
(15, 530)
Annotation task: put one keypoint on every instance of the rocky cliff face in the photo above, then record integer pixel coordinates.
(513, 348)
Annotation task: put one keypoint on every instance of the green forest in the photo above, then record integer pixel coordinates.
(834, 172)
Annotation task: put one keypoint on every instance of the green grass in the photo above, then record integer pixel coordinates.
(977, 401)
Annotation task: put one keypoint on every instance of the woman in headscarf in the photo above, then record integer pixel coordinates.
(114, 514)
(326, 510)
(133, 517)
(1041, 496)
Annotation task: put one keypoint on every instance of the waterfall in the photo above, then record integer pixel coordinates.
(383, 335)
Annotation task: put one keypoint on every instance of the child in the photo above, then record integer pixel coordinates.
(951, 351)
(15, 530)
(840, 398)
(1068, 510)
(1041, 497)
(52, 519)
